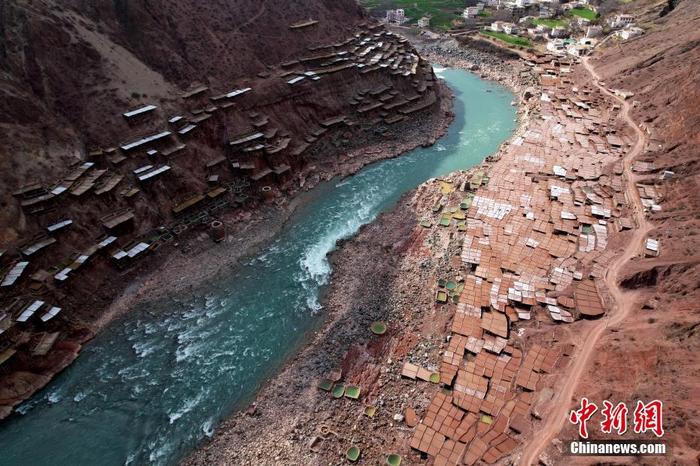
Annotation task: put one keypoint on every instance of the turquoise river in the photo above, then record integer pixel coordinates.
(158, 381)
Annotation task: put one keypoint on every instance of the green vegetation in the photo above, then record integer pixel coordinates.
(393, 460)
(585, 13)
(551, 23)
(442, 12)
(484, 13)
(508, 38)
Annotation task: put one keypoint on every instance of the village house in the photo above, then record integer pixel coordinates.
(556, 46)
(510, 28)
(621, 21)
(397, 16)
(473, 11)
(424, 22)
(578, 50)
(582, 22)
(630, 32)
(497, 26)
(539, 32)
(559, 32)
(594, 31)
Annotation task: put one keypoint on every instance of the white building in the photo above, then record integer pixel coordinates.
(557, 46)
(397, 16)
(621, 21)
(473, 11)
(424, 22)
(630, 32)
(594, 31)
(578, 50)
(534, 33)
(510, 28)
(497, 26)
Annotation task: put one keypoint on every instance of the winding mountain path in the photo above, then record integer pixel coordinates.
(624, 301)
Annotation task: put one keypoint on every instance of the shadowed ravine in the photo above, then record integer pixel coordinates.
(158, 381)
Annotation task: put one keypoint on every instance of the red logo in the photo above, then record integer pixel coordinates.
(649, 417)
(646, 417)
(615, 418)
(582, 415)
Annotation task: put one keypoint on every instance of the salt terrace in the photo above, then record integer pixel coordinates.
(533, 224)
(536, 229)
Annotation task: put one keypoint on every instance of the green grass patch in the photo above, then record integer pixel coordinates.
(484, 13)
(551, 23)
(353, 453)
(585, 13)
(393, 460)
(508, 38)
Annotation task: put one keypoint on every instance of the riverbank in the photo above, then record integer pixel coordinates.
(378, 275)
(197, 259)
(194, 258)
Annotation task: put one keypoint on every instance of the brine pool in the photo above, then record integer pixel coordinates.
(156, 382)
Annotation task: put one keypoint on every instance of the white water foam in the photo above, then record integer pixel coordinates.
(208, 428)
(54, 397)
(315, 268)
(187, 406)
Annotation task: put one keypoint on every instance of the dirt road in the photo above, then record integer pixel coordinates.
(624, 302)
